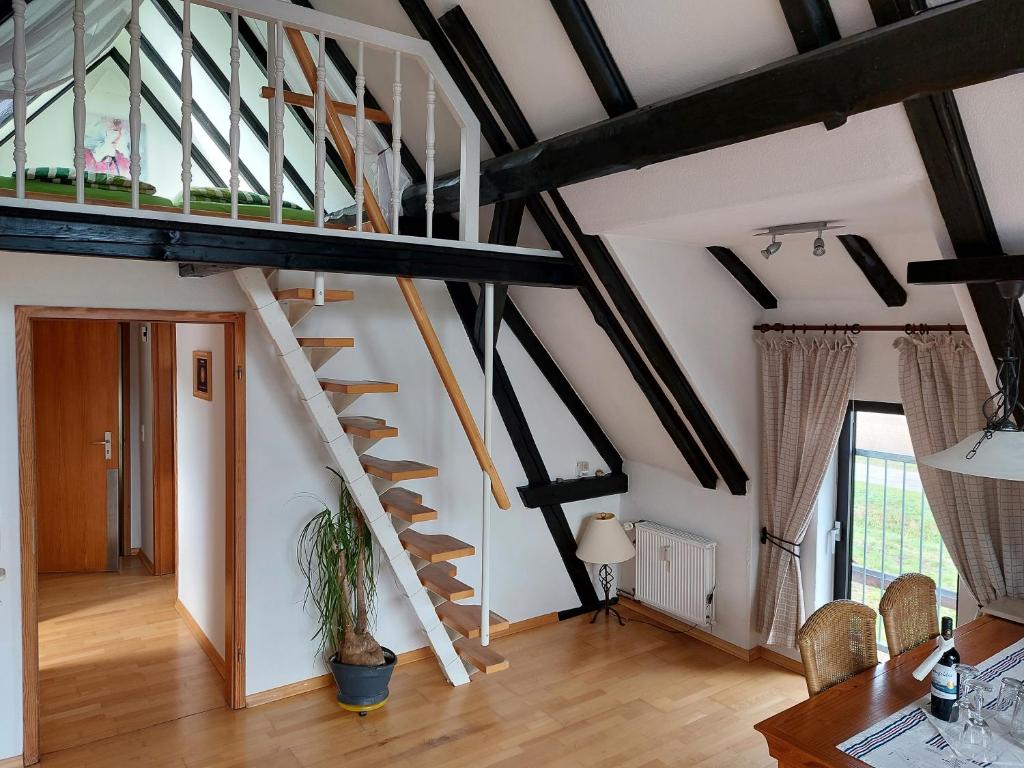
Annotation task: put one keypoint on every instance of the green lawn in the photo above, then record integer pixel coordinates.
(919, 548)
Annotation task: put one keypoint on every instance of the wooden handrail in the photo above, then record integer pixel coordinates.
(341, 107)
(409, 291)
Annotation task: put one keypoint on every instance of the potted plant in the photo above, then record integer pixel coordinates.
(335, 553)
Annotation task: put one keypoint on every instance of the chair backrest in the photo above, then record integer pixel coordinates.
(837, 642)
(909, 612)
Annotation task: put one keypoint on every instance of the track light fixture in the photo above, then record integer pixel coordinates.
(772, 248)
(795, 229)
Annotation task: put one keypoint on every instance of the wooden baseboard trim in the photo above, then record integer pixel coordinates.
(409, 657)
(146, 561)
(746, 654)
(778, 659)
(134, 551)
(12, 762)
(204, 642)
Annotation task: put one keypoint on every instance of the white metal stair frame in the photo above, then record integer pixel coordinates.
(366, 494)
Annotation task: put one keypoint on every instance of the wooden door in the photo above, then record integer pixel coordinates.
(76, 381)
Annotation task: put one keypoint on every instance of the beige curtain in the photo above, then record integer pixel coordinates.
(981, 520)
(806, 384)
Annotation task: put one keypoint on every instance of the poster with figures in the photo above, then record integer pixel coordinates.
(108, 145)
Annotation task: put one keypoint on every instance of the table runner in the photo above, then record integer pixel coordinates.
(910, 737)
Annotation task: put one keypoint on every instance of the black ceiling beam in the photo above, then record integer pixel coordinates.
(560, 384)
(172, 125)
(529, 454)
(870, 263)
(577, 489)
(472, 50)
(258, 53)
(811, 23)
(99, 234)
(948, 47)
(978, 269)
(505, 225)
(744, 276)
(595, 56)
(153, 56)
(948, 159)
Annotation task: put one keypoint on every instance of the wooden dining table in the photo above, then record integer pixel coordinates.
(806, 735)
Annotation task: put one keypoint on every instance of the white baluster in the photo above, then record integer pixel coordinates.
(320, 139)
(186, 107)
(360, 135)
(236, 103)
(431, 152)
(277, 160)
(78, 112)
(271, 108)
(396, 145)
(135, 102)
(20, 116)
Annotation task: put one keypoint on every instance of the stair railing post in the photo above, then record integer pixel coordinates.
(78, 112)
(485, 532)
(135, 102)
(19, 64)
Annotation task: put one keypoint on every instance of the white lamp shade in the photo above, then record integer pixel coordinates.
(1000, 457)
(604, 541)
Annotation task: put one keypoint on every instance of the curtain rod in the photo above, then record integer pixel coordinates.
(911, 329)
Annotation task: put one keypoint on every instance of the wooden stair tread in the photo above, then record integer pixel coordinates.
(406, 505)
(438, 578)
(465, 619)
(434, 547)
(396, 471)
(367, 427)
(306, 294)
(356, 387)
(340, 342)
(484, 658)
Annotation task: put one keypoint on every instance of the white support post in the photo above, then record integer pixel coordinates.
(235, 98)
(135, 102)
(186, 107)
(78, 112)
(469, 187)
(20, 105)
(277, 127)
(360, 135)
(485, 528)
(396, 145)
(431, 152)
(320, 141)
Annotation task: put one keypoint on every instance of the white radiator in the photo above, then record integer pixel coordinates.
(675, 572)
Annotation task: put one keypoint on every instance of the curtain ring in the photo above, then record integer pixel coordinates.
(908, 329)
(949, 329)
(855, 329)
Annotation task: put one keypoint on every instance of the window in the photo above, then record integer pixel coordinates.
(886, 524)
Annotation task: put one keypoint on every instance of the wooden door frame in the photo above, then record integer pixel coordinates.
(234, 598)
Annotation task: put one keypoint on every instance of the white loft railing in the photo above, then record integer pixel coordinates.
(287, 23)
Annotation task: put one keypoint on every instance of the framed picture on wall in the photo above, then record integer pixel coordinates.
(202, 369)
(108, 145)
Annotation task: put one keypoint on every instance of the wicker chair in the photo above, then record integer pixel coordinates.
(837, 642)
(908, 612)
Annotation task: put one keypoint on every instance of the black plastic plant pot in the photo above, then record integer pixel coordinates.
(363, 689)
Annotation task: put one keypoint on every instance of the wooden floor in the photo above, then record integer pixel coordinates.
(577, 695)
(115, 657)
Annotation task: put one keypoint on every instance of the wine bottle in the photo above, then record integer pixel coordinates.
(945, 686)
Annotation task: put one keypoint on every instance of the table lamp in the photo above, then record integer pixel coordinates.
(604, 542)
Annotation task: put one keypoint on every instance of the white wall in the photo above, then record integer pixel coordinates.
(286, 458)
(145, 441)
(200, 481)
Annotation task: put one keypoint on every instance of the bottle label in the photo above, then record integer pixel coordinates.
(944, 682)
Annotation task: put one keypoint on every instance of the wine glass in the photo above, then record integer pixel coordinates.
(975, 740)
(1009, 690)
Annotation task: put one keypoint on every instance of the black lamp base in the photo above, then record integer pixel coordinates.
(606, 578)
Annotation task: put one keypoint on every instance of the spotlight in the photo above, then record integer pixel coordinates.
(819, 245)
(772, 248)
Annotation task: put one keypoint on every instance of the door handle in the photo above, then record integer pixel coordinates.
(107, 445)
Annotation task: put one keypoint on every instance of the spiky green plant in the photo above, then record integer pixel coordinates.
(335, 554)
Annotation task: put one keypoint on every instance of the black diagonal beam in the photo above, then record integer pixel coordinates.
(949, 161)
(258, 53)
(949, 47)
(529, 454)
(473, 52)
(595, 56)
(505, 224)
(172, 125)
(811, 23)
(744, 276)
(878, 275)
(980, 269)
(197, 112)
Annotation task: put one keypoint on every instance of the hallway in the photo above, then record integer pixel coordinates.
(115, 657)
